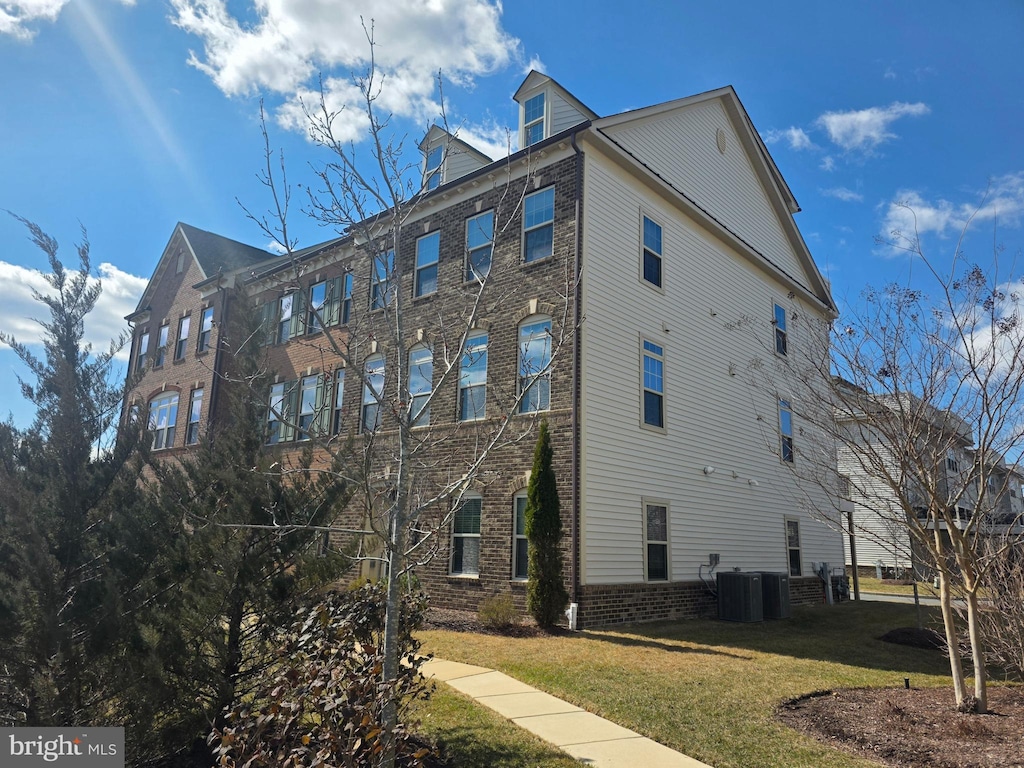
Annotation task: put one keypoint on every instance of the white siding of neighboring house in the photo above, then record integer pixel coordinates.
(681, 146)
(711, 416)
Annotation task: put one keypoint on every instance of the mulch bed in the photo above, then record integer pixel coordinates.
(467, 621)
(916, 728)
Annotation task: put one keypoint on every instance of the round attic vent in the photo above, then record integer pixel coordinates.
(720, 140)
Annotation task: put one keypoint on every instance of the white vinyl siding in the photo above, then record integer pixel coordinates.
(717, 419)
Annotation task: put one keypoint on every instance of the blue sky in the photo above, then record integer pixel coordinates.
(127, 117)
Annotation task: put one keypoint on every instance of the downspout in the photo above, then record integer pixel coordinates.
(574, 528)
(218, 351)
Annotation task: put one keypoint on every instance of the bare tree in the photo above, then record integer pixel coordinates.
(920, 396)
(413, 357)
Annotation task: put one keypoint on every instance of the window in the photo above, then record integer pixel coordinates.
(381, 289)
(534, 363)
(538, 225)
(427, 250)
(781, 340)
(952, 464)
(195, 411)
(473, 379)
(181, 346)
(309, 388)
(654, 385)
(317, 307)
(466, 537)
(161, 347)
(533, 120)
(339, 400)
(143, 350)
(479, 243)
(284, 317)
(520, 544)
(656, 539)
(793, 547)
(432, 170)
(279, 428)
(786, 430)
(346, 299)
(373, 388)
(652, 252)
(163, 413)
(205, 329)
(421, 379)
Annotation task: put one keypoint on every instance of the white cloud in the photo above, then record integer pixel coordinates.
(797, 138)
(17, 15)
(828, 163)
(890, 74)
(121, 292)
(290, 42)
(864, 129)
(844, 194)
(1002, 202)
(535, 64)
(494, 140)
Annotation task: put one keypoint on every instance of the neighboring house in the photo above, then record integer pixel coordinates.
(880, 484)
(650, 234)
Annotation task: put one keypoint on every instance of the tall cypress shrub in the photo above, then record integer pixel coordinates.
(546, 598)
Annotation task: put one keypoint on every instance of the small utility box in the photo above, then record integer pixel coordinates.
(739, 596)
(775, 595)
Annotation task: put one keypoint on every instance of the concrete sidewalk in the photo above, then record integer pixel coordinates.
(590, 739)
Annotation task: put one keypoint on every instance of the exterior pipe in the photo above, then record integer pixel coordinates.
(577, 269)
(217, 352)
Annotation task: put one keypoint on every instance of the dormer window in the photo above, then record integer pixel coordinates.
(533, 120)
(432, 170)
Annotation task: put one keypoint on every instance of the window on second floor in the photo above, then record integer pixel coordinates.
(539, 225)
(952, 463)
(317, 308)
(432, 169)
(428, 249)
(281, 413)
(781, 337)
(182, 345)
(373, 388)
(195, 412)
(310, 392)
(533, 120)
(479, 244)
(473, 379)
(652, 252)
(163, 415)
(534, 365)
(142, 352)
(205, 330)
(284, 317)
(786, 431)
(381, 288)
(161, 347)
(339, 401)
(421, 379)
(654, 385)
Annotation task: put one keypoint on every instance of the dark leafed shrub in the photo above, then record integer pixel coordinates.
(324, 703)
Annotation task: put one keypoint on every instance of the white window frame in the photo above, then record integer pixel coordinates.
(315, 320)
(181, 347)
(528, 379)
(142, 352)
(541, 121)
(277, 413)
(382, 289)
(285, 307)
(307, 411)
(465, 538)
(531, 226)
(519, 502)
(195, 412)
(161, 345)
(787, 447)
(421, 384)
(426, 267)
(779, 323)
(471, 378)
(656, 253)
(205, 330)
(790, 548)
(433, 167)
(654, 352)
(373, 377)
(646, 503)
(477, 245)
(346, 298)
(163, 417)
(338, 411)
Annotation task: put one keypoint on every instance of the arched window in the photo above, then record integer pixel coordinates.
(535, 364)
(163, 414)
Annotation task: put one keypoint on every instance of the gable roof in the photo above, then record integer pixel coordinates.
(537, 79)
(437, 134)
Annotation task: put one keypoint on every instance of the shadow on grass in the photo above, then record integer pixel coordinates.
(635, 637)
(843, 634)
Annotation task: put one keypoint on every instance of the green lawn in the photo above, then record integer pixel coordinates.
(891, 587)
(704, 687)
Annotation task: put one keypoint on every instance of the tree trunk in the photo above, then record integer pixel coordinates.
(392, 629)
(977, 651)
(956, 666)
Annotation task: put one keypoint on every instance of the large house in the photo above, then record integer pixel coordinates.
(634, 262)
